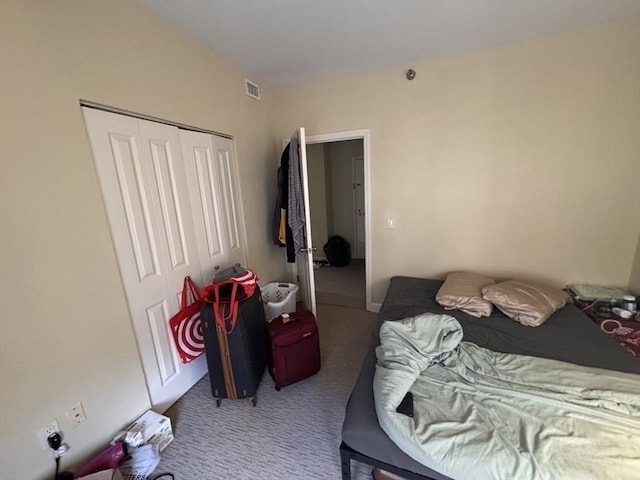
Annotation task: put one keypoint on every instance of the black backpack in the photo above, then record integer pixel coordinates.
(338, 251)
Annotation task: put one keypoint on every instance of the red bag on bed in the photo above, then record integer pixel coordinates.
(185, 325)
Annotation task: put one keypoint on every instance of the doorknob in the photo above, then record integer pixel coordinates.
(217, 267)
(307, 250)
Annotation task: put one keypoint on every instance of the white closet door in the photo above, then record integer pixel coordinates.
(206, 202)
(144, 187)
(230, 191)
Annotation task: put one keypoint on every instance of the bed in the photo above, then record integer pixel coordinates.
(567, 336)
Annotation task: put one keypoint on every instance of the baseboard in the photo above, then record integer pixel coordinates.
(374, 307)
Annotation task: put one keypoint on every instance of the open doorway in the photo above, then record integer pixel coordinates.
(336, 175)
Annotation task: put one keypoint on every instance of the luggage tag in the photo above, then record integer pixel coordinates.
(286, 318)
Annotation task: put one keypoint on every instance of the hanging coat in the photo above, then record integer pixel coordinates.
(281, 231)
(295, 210)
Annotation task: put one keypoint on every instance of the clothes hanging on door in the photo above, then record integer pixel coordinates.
(295, 211)
(289, 212)
(281, 232)
(279, 214)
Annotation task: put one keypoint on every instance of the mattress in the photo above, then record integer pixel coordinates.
(568, 336)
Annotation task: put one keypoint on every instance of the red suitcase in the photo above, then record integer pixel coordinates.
(295, 348)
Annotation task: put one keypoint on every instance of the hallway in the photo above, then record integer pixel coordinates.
(342, 286)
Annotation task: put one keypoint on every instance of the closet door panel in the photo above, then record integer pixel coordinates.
(226, 181)
(170, 191)
(130, 182)
(206, 202)
(169, 184)
(168, 366)
(206, 184)
(229, 187)
(144, 188)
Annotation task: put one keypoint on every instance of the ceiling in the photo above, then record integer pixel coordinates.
(290, 42)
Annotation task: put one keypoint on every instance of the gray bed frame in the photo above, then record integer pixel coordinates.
(347, 454)
(568, 336)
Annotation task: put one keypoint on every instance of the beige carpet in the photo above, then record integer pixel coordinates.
(343, 286)
(293, 434)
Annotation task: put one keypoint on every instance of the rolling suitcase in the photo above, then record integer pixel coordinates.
(294, 348)
(236, 356)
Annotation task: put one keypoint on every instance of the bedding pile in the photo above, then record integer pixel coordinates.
(479, 414)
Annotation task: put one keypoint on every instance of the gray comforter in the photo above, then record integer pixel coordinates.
(478, 414)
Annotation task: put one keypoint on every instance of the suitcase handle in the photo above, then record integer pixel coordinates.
(232, 314)
(243, 285)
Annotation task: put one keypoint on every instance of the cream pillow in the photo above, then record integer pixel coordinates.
(528, 303)
(463, 291)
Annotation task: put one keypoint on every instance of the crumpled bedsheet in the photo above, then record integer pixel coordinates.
(479, 414)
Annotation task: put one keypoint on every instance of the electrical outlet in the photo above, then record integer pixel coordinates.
(76, 415)
(46, 430)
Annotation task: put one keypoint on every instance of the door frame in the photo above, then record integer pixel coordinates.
(363, 135)
(355, 202)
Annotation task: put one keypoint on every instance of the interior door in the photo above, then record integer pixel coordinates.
(206, 201)
(358, 202)
(304, 259)
(143, 182)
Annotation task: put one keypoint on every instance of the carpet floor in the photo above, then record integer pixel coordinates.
(290, 434)
(344, 286)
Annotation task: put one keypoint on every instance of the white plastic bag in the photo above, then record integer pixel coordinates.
(140, 463)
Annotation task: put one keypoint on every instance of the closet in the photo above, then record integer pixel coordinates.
(172, 199)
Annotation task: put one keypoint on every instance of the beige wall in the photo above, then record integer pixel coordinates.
(339, 155)
(515, 161)
(65, 329)
(634, 278)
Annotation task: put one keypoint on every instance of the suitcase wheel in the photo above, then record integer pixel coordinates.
(218, 402)
(254, 401)
(277, 388)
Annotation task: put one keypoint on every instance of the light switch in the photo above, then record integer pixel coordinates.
(391, 223)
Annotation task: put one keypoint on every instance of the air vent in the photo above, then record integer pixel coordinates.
(252, 89)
